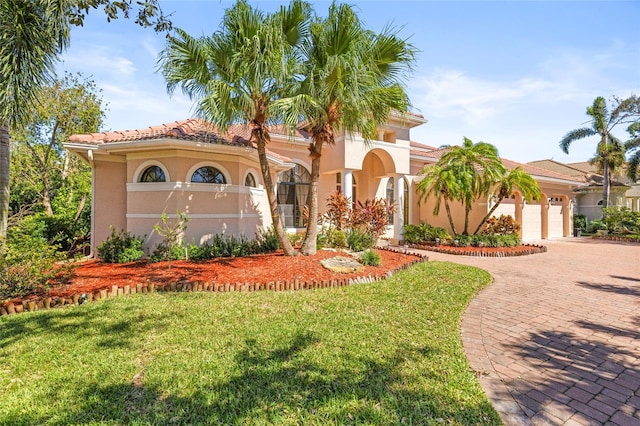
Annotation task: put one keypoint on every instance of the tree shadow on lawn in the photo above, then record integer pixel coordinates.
(580, 375)
(281, 385)
(77, 322)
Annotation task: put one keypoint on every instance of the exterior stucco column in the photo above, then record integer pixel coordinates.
(398, 217)
(347, 184)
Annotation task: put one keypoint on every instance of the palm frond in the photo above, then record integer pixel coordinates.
(575, 135)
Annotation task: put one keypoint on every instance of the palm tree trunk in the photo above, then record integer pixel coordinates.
(271, 196)
(488, 215)
(467, 208)
(309, 245)
(4, 181)
(448, 210)
(606, 184)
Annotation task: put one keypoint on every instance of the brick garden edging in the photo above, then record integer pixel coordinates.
(613, 238)
(522, 250)
(46, 302)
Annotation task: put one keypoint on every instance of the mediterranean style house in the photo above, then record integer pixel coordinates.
(189, 166)
(623, 192)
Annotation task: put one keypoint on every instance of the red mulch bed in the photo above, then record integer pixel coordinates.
(258, 272)
(521, 250)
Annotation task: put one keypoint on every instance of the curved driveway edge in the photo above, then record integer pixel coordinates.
(555, 340)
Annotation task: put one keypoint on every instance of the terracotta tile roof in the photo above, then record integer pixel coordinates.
(192, 129)
(510, 164)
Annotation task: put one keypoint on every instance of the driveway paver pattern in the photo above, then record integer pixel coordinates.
(555, 340)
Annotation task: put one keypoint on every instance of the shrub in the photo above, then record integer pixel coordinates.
(120, 247)
(359, 240)
(597, 225)
(28, 261)
(370, 257)
(267, 241)
(165, 252)
(424, 233)
(372, 216)
(580, 222)
(172, 232)
(485, 240)
(338, 239)
(338, 210)
(621, 220)
(502, 225)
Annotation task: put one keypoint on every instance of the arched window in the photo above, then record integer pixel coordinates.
(250, 180)
(208, 174)
(390, 196)
(153, 174)
(293, 190)
(601, 202)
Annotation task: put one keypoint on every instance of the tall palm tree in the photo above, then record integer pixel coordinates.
(352, 81)
(32, 35)
(602, 123)
(632, 146)
(511, 180)
(239, 75)
(477, 167)
(443, 184)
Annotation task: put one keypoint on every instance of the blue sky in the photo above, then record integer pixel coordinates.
(516, 74)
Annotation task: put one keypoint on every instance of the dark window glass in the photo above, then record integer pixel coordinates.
(208, 174)
(250, 181)
(153, 174)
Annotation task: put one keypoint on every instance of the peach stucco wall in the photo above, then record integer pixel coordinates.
(109, 197)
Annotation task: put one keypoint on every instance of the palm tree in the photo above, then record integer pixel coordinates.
(441, 182)
(353, 80)
(602, 123)
(511, 180)
(477, 167)
(632, 146)
(32, 35)
(239, 75)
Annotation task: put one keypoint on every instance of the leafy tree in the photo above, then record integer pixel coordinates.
(33, 33)
(476, 167)
(441, 182)
(603, 122)
(68, 106)
(632, 146)
(352, 81)
(240, 74)
(508, 182)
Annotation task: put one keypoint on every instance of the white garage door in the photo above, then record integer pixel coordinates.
(531, 222)
(555, 222)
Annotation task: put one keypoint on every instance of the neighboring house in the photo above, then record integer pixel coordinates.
(623, 192)
(188, 166)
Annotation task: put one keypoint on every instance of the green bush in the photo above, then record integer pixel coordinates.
(371, 258)
(338, 239)
(424, 233)
(28, 261)
(484, 240)
(580, 222)
(267, 241)
(621, 220)
(165, 252)
(121, 247)
(597, 225)
(359, 240)
(232, 246)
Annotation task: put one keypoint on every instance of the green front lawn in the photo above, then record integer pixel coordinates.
(380, 354)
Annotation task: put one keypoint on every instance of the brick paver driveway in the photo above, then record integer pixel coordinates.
(556, 338)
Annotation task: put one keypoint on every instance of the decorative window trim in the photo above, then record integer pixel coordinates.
(256, 176)
(145, 165)
(221, 169)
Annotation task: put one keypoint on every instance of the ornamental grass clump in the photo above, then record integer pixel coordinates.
(370, 258)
